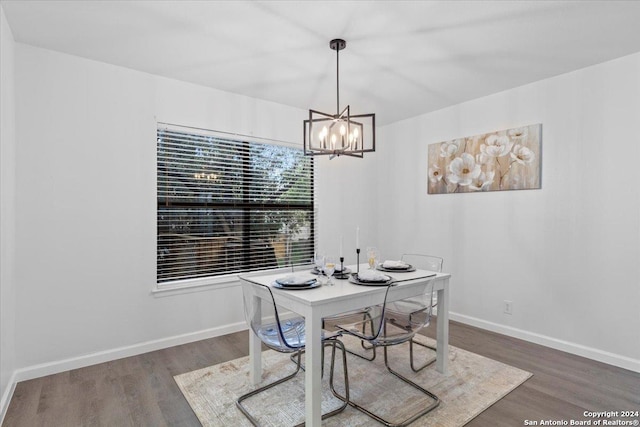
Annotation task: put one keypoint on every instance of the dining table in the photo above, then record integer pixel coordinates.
(343, 296)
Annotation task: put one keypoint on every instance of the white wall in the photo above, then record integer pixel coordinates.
(347, 198)
(7, 213)
(567, 255)
(86, 204)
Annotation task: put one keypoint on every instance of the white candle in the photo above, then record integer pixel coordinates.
(357, 237)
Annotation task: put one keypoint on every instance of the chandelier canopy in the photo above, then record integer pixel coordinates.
(342, 133)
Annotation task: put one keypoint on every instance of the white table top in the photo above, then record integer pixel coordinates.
(342, 289)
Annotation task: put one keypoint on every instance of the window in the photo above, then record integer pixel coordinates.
(228, 204)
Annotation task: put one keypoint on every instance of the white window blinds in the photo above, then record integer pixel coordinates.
(228, 205)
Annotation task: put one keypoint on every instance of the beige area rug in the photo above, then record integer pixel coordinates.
(473, 384)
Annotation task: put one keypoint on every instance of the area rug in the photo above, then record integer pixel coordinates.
(473, 384)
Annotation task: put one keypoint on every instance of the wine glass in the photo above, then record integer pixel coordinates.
(372, 255)
(329, 268)
(318, 261)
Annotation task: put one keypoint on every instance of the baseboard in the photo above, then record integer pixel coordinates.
(55, 367)
(6, 397)
(569, 347)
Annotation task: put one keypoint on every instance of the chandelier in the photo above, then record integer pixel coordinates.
(342, 133)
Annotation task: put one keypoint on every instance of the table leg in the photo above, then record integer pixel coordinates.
(442, 346)
(313, 378)
(255, 347)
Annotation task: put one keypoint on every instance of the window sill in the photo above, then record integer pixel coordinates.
(187, 286)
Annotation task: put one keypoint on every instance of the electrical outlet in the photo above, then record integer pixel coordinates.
(508, 307)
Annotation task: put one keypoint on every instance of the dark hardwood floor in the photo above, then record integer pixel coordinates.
(140, 390)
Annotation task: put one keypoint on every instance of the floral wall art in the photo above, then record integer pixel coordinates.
(503, 160)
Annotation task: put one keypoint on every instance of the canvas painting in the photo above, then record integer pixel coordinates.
(503, 160)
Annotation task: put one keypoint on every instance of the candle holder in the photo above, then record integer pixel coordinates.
(357, 260)
(342, 274)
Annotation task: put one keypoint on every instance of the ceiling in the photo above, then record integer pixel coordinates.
(403, 58)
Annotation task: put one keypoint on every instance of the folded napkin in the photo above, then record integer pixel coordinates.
(372, 276)
(395, 264)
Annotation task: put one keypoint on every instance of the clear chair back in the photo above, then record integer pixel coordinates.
(405, 317)
(424, 262)
(278, 329)
(397, 319)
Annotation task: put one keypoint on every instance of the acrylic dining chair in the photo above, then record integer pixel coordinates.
(423, 262)
(420, 261)
(284, 335)
(390, 329)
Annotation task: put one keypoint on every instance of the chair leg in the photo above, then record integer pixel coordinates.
(336, 342)
(411, 362)
(412, 341)
(333, 343)
(407, 421)
(298, 362)
(429, 408)
(292, 357)
(362, 343)
(261, 389)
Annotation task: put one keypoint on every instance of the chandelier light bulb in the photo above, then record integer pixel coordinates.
(322, 136)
